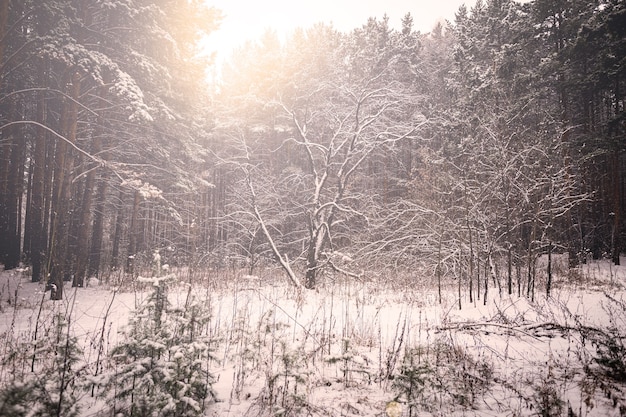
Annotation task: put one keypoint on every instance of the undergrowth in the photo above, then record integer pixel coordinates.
(351, 349)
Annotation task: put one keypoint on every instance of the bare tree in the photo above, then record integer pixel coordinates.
(308, 156)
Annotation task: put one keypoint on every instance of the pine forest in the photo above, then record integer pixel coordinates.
(378, 222)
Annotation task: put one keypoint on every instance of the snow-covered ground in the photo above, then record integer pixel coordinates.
(354, 348)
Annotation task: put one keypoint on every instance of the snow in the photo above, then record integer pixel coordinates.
(344, 349)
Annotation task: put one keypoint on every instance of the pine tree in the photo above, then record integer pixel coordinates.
(161, 366)
(46, 375)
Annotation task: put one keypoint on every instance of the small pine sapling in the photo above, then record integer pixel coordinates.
(413, 379)
(52, 386)
(161, 367)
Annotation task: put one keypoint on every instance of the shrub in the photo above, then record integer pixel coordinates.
(441, 374)
(46, 375)
(161, 366)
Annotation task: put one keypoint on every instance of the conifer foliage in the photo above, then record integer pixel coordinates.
(161, 366)
(479, 145)
(97, 98)
(47, 374)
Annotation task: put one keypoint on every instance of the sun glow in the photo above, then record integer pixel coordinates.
(247, 20)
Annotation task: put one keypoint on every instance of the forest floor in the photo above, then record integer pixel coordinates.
(372, 348)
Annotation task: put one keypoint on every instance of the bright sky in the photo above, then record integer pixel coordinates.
(247, 19)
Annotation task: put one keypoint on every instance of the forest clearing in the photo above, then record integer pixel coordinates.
(383, 220)
(349, 349)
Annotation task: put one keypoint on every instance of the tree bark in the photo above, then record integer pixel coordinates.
(26, 244)
(10, 200)
(84, 223)
(64, 160)
(84, 227)
(117, 235)
(549, 283)
(509, 263)
(95, 255)
(133, 235)
(39, 233)
(4, 20)
(617, 209)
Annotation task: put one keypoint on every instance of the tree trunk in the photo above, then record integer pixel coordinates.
(62, 190)
(117, 235)
(17, 184)
(83, 260)
(438, 270)
(84, 227)
(486, 279)
(10, 198)
(311, 259)
(617, 209)
(39, 234)
(4, 20)
(26, 244)
(471, 245)
(509, 263)
(478, 275)
(133, 235)
(549, 283)
(77, 191)
(530, 259)
(97, 232)
(311, 273)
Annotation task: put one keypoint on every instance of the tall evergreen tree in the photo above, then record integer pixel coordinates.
(104, 94)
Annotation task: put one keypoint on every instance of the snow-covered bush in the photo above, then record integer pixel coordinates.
(606, 369)
(611, 343)
(161, 366)
(441, 375)
(353, 366)
(545, 399)
(46, 375)
(413, 379)
(287, 383)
